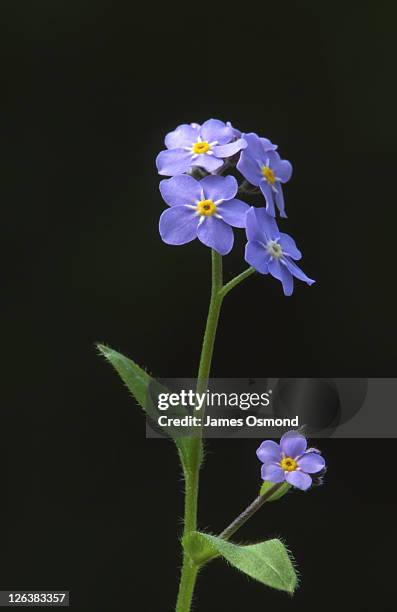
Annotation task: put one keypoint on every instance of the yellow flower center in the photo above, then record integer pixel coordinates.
(201, 147)
(268, 174)
(288, 464)
(206, 208)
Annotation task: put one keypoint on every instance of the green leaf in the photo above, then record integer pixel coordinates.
(266, 486)
(199, 548)
(139, 383)
(268, 562)
(136, 379)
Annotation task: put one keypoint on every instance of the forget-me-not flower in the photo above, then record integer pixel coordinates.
(262, 166)
(205, 146)
(204, 209)
(290, 461)
(269, 250)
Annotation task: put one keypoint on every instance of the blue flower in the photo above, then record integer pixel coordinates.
(203, 209)
(205, 146)
(262, 166)
(290, 461)
(269, 250)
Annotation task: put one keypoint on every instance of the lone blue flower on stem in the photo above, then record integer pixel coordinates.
(205, 146)
(269, 250)
(290, 461)
(204, 209)
(263, 167)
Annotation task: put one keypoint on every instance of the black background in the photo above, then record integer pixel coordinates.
(89, 91)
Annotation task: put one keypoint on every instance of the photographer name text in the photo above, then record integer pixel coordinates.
(210, 421)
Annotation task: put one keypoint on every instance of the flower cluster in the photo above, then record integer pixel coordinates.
(290, 461)
(202, 197)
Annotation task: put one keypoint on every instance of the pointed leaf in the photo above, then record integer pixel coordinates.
(140, 384)
(134, 377)
(268, 562)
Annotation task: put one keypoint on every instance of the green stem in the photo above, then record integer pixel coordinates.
(235, 281)
(189, 569)
(248, 512)
(212, 323)
(187, 584)
(191, 473)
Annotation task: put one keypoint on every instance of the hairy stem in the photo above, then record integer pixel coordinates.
(187, 584)
(191, 473)
(248, 512)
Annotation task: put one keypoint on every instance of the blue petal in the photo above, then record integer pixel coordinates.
(311, 463)
(214, 130)
(230, 149)
(289, 246)
(272, 473)
(267, 144)
(234, 212)
(173, 161)
(253, 230)
(184, 136)
(279, 196)
(269, 196)
(178, 225)
(267, 223)
(293, 444)
(180, 190)
(257, 257)
(297, 272)
(236, 132)
(216, 234)
(300, 480)
(249, 168)
(208, 162)
(287, 280)
(272, 159)
(219, 187)
(268, 451)
(279, 271)
(255, 148)
(283, 170)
